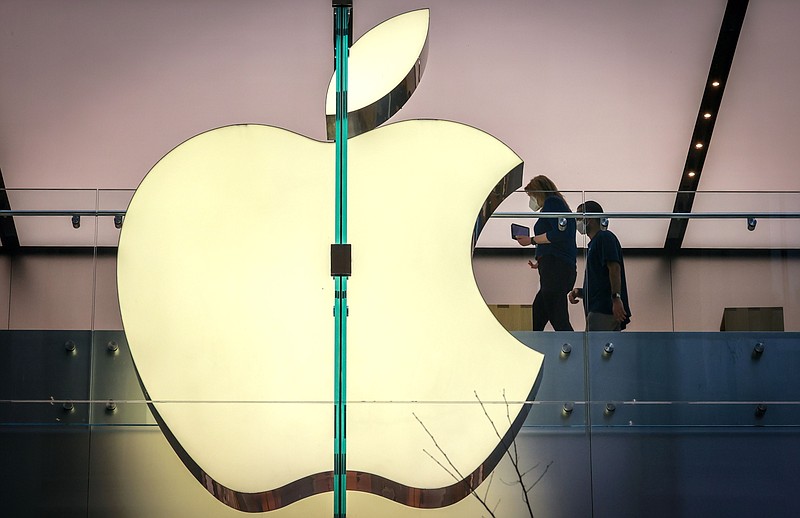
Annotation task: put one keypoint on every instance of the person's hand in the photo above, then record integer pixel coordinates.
(574, 295)
(619, 310)
(533, 264)
(523, 240)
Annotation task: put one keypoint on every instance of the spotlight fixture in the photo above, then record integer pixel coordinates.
(76, 221)
(118, 220)
(704, 120)
(751, 224)
(562, 224)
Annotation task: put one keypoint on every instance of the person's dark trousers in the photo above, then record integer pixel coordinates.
(556, 279)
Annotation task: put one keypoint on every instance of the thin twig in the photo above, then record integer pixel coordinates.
(437, 445)
(533, 468)
(439, 463)
(514, 442)
(488, 485)
(540, 476)
(513, 457)
(469, 486)
(508, 447)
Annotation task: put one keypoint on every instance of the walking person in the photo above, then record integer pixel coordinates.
(605, 289)
(555, 258)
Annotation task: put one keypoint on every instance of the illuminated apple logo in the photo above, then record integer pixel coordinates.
(226, 298)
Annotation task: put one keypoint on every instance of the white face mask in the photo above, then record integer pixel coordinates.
(533, 204)
(581, 224)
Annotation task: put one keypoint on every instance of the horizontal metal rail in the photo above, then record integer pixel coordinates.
(11, 212)
(650, 215)
(522, 215)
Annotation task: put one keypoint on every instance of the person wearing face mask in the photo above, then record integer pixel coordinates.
(556, 255)
(605, 290)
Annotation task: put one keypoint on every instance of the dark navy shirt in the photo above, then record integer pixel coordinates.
(603, 247)
(562, 242)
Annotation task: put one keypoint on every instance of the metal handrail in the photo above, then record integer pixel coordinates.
(535, 215)
(11, 212)
(650, 215)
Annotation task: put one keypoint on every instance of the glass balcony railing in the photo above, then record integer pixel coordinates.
(693, 410)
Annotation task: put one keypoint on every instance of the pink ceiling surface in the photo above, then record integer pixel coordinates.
(599, 95)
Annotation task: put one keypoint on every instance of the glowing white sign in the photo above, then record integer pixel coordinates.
(226, 298)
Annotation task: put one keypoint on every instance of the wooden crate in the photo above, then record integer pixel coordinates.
(514, 317)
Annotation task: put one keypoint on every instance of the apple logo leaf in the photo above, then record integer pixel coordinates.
(385, 66)
(226, 298)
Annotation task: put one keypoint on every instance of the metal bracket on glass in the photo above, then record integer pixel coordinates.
(341, 260)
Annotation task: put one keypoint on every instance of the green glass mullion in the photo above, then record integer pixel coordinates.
(341, 16)
(340, 396)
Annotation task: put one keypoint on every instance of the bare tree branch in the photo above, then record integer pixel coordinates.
(511, 457)
(472, 490)
(437, 445)
(510, 450)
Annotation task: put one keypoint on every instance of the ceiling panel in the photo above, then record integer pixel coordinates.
(755, 142)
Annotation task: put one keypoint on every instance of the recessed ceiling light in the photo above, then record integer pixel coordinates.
(715, 83)
(691, 174)
(699, 145)
(706, 115)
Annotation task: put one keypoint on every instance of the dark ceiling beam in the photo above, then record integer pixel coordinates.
(8, 230)
(721, 63)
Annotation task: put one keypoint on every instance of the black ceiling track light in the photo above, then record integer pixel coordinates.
(721, 63)
(8, 230)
